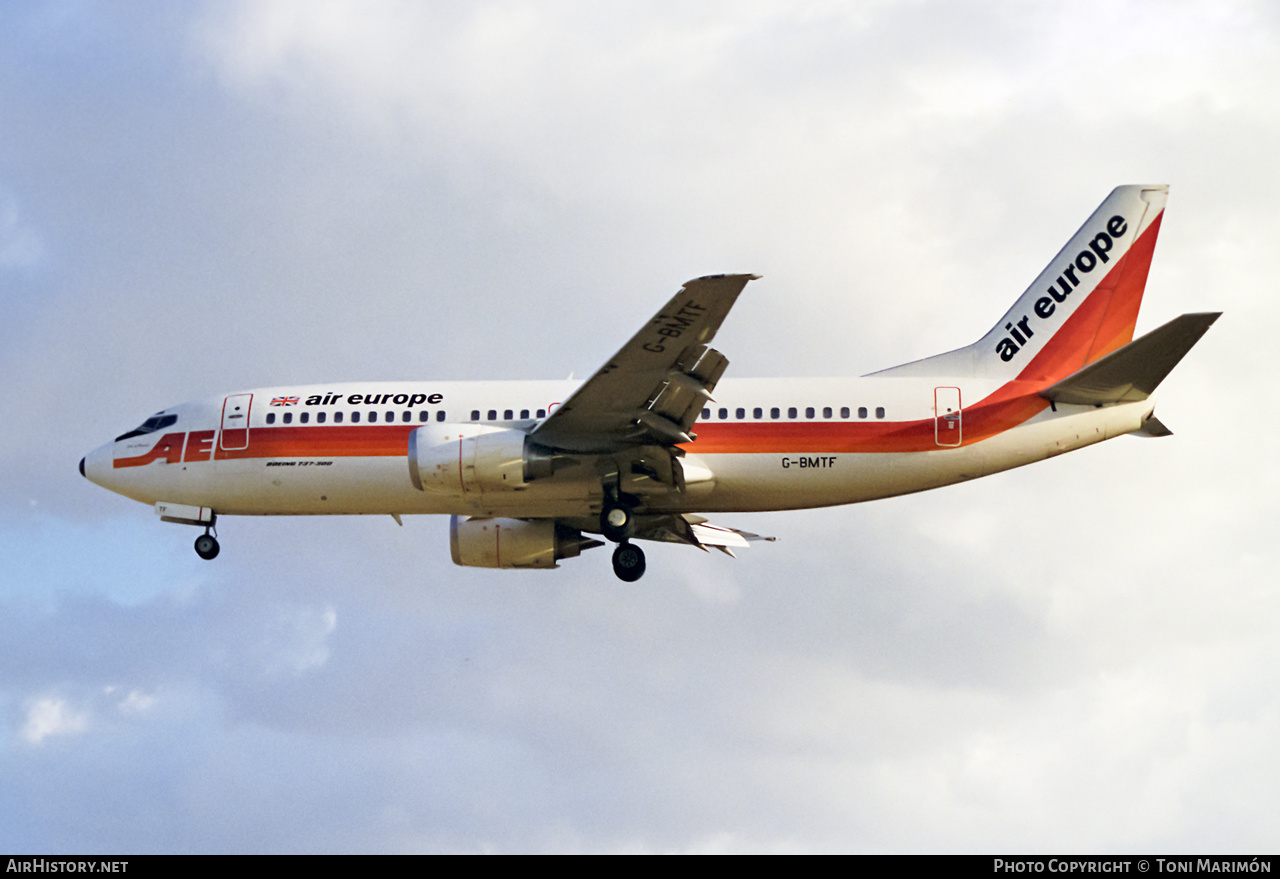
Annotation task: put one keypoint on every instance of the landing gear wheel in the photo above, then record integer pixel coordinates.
(628, 562)
(616, 522)
(207, 546)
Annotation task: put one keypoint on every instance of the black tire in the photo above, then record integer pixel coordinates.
(628, 562)
(207, 547)
(616, 522)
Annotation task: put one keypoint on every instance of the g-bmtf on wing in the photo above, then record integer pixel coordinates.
(528, 470)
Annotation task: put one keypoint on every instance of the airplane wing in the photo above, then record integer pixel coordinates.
(653, 389)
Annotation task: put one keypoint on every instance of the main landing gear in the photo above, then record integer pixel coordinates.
(628, 562)
(617, 524)
(207, 545)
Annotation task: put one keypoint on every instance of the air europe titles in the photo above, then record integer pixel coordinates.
(374, 399)
(1097, 254)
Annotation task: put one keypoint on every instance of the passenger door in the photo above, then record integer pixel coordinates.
(235, 422)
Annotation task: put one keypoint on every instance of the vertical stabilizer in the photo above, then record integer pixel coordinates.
(1083, 306)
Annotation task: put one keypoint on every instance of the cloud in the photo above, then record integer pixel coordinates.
(1072, 656)
(52, 717)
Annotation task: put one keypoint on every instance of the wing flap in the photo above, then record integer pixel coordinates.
(695, 531)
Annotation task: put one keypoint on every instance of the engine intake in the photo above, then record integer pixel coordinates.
(465, 458)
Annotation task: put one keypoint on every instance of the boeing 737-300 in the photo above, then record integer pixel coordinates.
(529, 470)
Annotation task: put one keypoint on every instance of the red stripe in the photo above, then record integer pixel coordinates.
(324, 442)
(1008, 407)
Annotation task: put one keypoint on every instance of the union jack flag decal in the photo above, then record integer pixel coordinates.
(285, 401)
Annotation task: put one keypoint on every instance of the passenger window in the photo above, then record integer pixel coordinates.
(844, 411)
(475, 414)
(337, 418)
(879, 412)
(758, 412)
(373, 416)
(304, 417)
(724, 414)
(271, 418)
(862, 411)
(493, 414)
(741, 413)
(507, 415)
(826, 411)
(791, 412)
(407, 416)
(524, 413)
(808, 412)
(775, 412)
(288, 418)
(355, 417)
(320, 416)
(542, 413)
(706, 414)
(440, 415)
(424, 415)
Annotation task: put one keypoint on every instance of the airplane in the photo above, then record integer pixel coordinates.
(531, 472)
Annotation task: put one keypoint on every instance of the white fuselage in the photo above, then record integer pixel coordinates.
(762, 444)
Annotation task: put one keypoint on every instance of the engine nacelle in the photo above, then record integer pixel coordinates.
(514, 543)
(463, 458)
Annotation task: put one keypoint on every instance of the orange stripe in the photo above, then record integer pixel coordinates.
(324, 442)
(1122, 314)
(1008, 407)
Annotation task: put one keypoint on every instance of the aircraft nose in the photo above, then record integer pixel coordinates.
(96, 466)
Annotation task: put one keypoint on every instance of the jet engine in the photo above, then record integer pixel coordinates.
(514, 543)
(463, 458)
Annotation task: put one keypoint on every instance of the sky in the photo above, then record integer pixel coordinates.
(196, 198)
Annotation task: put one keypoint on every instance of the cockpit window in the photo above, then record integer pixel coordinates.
(159, 421)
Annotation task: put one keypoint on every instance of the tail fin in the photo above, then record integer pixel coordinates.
(1083, 306)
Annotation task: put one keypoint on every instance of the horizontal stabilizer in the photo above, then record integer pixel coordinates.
(1132, 372)
(1152, 427)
